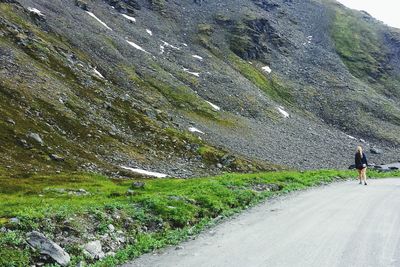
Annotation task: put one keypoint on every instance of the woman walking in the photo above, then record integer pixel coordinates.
(361, 165)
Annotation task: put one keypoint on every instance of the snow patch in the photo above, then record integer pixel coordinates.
(138, 47)
(129, 17)
(198, 57)
(97, 73)
(195, 130)
(144, 172)
(36, 11)
(351, 137)
(96, 18)
(197, 74)
(185, 44)
(267, 69)
(214, 106)
(170, 45)
(149, 32)
(283, 112)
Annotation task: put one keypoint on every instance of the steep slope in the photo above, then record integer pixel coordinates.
(111, 83)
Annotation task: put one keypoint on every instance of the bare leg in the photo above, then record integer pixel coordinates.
(364, 173)
(360, 175)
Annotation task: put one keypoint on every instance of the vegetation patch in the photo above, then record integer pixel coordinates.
(358, 43)
(270, 86)
(144, 214)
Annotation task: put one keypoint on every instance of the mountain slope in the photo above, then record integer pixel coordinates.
(111, 83)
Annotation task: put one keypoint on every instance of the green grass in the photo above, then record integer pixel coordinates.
(164, 212)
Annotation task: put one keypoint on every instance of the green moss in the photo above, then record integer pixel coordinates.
(182, 97)
(206, 29)
(358, 43)
(222, 19)
(204, 34)
(210, 154)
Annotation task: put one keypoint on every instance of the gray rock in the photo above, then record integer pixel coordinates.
(130, 192)
(219, 166)
(48, 247)
(138, 185)
(56, 157)
(35, 137)
(82, 4)
(111, 228)
(375, 150)
(10, 121)
(24, 143)
(14, 220)
(94, 250)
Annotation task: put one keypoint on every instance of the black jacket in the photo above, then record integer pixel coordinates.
(360, 160)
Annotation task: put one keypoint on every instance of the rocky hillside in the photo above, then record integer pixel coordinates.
(194, 87)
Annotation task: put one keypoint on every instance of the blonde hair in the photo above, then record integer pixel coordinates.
(360, 150)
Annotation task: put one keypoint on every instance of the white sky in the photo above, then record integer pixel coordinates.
(384, 10)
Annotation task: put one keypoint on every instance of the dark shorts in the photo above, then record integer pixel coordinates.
(360, 167)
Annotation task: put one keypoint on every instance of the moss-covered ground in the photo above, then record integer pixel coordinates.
(162, 212)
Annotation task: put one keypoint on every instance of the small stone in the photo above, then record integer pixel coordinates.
(10, 121)
(219, 165)
(138, 185)
(111, 228)
(130, 192)
(24, 143)
(56, 157)
(107, 105)
(179, 248)
(14, 220)
(94, 250)
(121, 239)
(82, 4)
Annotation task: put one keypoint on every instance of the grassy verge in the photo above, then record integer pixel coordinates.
(148, 217)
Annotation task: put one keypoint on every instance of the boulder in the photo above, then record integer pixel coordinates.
(48, 247)
(35, 137)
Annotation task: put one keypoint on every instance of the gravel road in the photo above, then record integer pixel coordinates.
(343, 224)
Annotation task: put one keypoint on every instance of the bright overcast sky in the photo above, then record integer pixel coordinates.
(384, 10)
